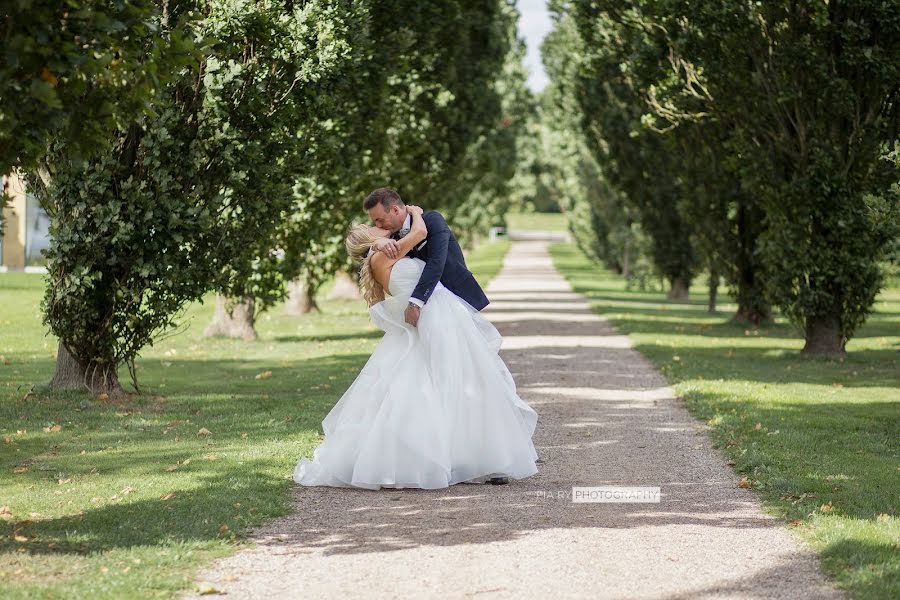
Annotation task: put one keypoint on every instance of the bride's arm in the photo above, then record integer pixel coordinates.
(417, 231)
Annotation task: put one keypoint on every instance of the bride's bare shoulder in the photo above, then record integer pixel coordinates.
(378, 260)
(381, 265)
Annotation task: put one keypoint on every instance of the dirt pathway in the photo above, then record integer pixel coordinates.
(606, 417)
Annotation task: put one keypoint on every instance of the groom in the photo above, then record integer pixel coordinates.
(443, 257)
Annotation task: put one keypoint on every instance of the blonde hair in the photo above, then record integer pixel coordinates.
(358, 243)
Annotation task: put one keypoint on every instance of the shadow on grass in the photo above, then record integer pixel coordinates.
(786, 455)
(872, 566)
(133, 442)
(331, 337)
(235, 497)
(775, 364)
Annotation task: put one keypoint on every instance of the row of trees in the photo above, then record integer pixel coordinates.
(755, 141)
(184, 147)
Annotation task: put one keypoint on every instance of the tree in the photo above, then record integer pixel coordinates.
(429, 107)
(811, 93)
(643, 165)
(602, 221)
(74, 70)
(168, 214)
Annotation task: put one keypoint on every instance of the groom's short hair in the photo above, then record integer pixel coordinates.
(386, 197)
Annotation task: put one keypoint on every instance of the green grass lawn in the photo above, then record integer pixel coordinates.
(128, 499)
(538, 221)
(818, 439)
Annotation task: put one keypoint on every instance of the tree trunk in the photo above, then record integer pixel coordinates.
(301, 299)
(71, 374)
(823, 337)
(238, 322)
(713, 291)
(626, 260)
(344, 288)
(678, 290)
(753, 308)
(750, 315)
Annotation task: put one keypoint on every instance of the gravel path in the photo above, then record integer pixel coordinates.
(606, 417)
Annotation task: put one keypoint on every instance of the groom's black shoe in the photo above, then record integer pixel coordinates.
(498, 480)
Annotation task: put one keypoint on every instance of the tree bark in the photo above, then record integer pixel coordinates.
(301, 299)
(95, 378)
(749, 315)
(713, 292)
(678, 289)
(753, 308)
(238, 322)
(344, 288)
(626, 260)
(823, 337)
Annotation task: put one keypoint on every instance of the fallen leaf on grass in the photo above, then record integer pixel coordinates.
(168, 496)
(745, 483)
(182, 463)
(826, 508)
(5, 513)
(125, 491)
(264, 375)
(205, 589)
(204, 431)
(53, 428)
(20, 470)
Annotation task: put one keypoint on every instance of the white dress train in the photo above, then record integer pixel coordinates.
(435, 405)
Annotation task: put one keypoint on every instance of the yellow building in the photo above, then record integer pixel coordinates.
(25, 227)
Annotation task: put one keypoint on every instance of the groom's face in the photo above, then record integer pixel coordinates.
(390, 219)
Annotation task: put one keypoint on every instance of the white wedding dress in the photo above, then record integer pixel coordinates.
(435, 405)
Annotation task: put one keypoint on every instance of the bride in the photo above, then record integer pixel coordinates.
(435, 405)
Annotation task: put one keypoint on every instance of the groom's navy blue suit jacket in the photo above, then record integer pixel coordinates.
(444, 262)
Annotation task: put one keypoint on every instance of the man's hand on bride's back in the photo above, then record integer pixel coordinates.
(390, 247)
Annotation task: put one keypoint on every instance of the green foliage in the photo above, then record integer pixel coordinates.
(253, 158)
(806, 94)
(600, 96)
(432, 106)
(170, 212)
(77, 69)
(601, 221)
